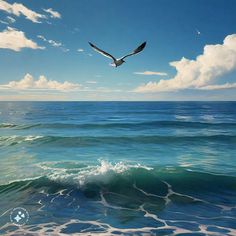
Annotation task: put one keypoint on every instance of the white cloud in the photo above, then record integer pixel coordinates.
(65, 49)
(219, 86)
(201, 73)
(50, 41)
(91, 82)
(16, 40)
(10, 19)
(81, 50)
(53, 14)
(151, 73)
(4, 22)
(54, 43)
(29, 83)
(42, 37)
(18, 9)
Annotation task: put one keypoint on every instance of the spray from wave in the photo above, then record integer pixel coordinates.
(80, 176)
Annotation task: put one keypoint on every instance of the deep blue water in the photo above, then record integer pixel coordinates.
(108, 168)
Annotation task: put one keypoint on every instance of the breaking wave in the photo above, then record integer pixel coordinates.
(113, 191)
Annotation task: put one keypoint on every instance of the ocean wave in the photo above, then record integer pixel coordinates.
(123, 175)
(7, 125)
(81, 176)
(100, 198)
(179, 123)
(208, 117)
(82, 141)
(186, 118)
(77, 174)
(15, 139)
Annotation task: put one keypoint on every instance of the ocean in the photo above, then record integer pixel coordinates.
(118, 168)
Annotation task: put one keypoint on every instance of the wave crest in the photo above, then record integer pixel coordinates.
(80, 176)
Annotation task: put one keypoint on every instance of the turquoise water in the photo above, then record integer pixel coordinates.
(110, 168)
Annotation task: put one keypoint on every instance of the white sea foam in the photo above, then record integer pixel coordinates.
(107, 229)
(16, 139)
(185, 118)
(81, 176)
(208, 117)
(23, 179)
(32, 138)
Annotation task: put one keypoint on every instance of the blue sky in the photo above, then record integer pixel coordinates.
(44, 51)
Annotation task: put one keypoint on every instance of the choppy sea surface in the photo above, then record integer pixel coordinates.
(118, 168)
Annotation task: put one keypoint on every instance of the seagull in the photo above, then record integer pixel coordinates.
(119, 61)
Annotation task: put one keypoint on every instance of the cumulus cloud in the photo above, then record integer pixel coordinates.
(151, 73)
(50, 41)
(80, 50)
(16, 40)
(201, 73)
(18, 9)
(29, 83)
(53, 14)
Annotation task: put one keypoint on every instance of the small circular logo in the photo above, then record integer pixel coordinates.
(19, 216)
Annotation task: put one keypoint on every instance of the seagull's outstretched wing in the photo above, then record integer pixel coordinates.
(102, 52)
(137, 50)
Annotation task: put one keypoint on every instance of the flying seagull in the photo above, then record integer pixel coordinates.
(119, 61)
